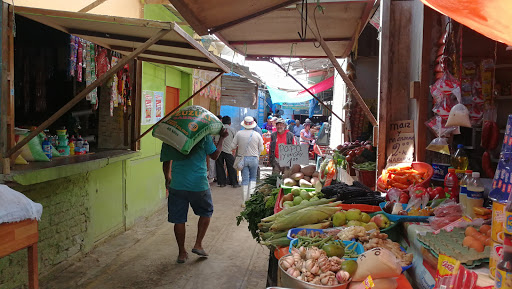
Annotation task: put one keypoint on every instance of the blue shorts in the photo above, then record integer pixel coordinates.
(178, 202)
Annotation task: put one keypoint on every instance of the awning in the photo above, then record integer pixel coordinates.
(270, 28)
(319, 87)
(490, 18)
(124, 35)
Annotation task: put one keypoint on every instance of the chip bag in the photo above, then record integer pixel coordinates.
(451, 275)
(186, 127)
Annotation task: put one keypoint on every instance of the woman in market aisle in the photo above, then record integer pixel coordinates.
(306, 135)
(249, 145)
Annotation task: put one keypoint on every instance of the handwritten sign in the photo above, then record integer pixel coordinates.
(400, 146)
(293, 154)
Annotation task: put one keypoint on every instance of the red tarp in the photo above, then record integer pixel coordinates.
(319, 87)
(492, 18)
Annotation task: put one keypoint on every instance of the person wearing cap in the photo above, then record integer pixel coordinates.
(297, 128)
(306, 135)
(280, 136)
(249, 145)
(227, 157)
(268, 125)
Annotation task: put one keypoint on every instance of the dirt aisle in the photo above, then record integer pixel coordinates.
(145, 256)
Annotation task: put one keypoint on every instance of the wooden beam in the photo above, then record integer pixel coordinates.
(306, 89)
(351, 87)
(160, 53)
(136, 104)
(81, 32)
(258, 57)
(4, 86)
(424, 91)
(249, 17)
(179, 106)
(384, 105)
(279, 41)
(87, 90)
(92, 6)
(163, 2)
(189, 16)
(182, 64)
(414, 90)
(360, 26)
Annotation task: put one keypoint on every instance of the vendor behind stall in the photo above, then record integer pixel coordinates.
(284, 136)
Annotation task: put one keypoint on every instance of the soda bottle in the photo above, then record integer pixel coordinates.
(79, 142)
(460, 159)
(47, 148)
(86, 146)
(463, 191)
(475, 194)
(451, 184)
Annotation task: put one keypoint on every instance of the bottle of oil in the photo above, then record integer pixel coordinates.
(460, 159)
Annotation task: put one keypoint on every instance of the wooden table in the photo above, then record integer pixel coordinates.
(21, 235)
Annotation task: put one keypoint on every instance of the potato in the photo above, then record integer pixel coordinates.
(295, 168)
(315, 175)
(308, 170)
(307, 178)
(297, 176)
(305, 184)
(287, 174)
(289, 182)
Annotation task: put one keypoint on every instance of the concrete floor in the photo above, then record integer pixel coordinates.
(145, 256)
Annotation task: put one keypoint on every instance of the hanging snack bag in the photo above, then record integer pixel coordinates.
(459, 116)
(186, 127)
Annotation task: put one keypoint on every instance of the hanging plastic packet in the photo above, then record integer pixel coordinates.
(113, 91)
(439, 144)
(459, 116)
(79, 58)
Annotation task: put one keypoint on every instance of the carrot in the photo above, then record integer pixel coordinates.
(401, 179)
(398, 185)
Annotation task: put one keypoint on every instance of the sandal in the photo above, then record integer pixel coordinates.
(200, 252)
(181, 261)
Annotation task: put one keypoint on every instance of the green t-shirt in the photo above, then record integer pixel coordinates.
(189, 172)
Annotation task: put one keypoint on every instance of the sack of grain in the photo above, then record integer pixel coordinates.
(186, 127)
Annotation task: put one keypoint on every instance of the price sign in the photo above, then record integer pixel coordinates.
(293, 154)
(400, 146)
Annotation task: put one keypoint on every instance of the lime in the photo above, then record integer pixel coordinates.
(297, 200)
(349, 266)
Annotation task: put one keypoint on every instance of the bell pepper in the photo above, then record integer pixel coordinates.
(404, 198)
(419, 192)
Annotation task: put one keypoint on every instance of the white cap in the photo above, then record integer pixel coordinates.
(476, 175)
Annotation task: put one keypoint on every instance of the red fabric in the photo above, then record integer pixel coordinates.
(281, 138)
(488, 17)
(319, 87)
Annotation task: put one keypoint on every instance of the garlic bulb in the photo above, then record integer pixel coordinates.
(342, 276)
(288, 262)
(293, 272)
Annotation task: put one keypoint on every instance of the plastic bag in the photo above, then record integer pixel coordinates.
(444, 87)
(33, 150)
(439, 144)
(15, 207)
(459, 116)
(186, 127)
(448, 208)
(394, 195)
(451, 275)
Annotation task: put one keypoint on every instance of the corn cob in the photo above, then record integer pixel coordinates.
(307, 216)
(297, 208)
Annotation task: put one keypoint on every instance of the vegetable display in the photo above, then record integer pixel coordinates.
(400, 177)
(357, 193)
(366, 166)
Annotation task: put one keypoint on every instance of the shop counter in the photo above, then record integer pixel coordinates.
(60, 167)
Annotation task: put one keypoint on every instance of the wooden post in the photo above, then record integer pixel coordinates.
(352, 89)
(33, 271)
(424, 92)
(179, 106)
(306, 89)
(88, 89)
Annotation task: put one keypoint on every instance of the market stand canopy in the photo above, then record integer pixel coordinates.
(490, 18)
(124, 35)
(269, 28)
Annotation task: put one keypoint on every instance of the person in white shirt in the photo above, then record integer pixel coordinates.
(249, 145)
(227, 157)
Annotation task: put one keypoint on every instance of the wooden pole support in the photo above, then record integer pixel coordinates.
(351, 88)
(306, 89)
(6, 166)
(87, 90)
(179, 106)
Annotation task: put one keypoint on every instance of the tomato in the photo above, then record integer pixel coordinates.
(431, 193)
(404, 198)
(419, 191)
(369, 147)
(440, 193)
(349, 158)
(351, 153)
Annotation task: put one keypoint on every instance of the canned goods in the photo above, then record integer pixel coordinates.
(498, 218)
(496, 253)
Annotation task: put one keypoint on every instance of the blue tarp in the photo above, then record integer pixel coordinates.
(280, 96)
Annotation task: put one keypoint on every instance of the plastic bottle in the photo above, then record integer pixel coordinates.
(72, 148)
(503, 275)
(463, 191)
(460, 159)
(86, 146)
(79, 142)
(451, 183)
(72, 139)
(475, 194)
(47, 148)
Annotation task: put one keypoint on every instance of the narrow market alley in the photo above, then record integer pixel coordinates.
(145, 256)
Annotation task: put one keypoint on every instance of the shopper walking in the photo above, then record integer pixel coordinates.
(281, 136)
(306, 135)
(186, 177)
(226, 158)
(249, 146)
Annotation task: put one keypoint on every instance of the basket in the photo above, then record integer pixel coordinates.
(350, 169)
(367, 178)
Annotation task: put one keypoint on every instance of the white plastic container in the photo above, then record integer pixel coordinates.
(475, 195)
